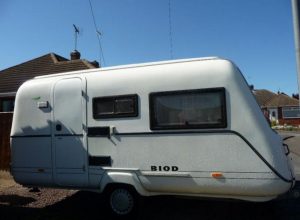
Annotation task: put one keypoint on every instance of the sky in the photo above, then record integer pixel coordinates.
(256, 35)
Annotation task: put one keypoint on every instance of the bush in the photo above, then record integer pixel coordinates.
(273, 123)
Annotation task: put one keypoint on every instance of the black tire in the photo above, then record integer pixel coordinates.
(122, 201)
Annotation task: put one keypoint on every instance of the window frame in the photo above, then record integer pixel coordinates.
(222, 124)
(135, 112)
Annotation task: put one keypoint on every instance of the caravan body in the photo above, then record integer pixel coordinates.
(186, 127)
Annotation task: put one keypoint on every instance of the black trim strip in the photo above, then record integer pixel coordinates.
(56, 135)
(29, 136)
(211, 132)
(67, 135)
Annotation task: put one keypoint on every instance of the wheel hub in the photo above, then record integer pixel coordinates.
(121, 201)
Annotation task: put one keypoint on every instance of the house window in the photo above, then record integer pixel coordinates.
(115, 106)
(188, 109)
(291, 112)
(7, 105)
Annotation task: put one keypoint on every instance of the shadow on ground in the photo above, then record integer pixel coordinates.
(15, 200)
(86, 205)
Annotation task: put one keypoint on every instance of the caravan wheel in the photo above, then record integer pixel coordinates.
(122, 201)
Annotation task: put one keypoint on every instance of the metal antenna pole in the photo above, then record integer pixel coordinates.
(295, 9)
(75, 41)
(76, 35)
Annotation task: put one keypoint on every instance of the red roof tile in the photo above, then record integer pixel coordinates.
(263, 96)
(282, 100)
(266, 98)
(11, 78)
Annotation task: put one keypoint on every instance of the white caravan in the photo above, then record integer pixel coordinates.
(185, 127)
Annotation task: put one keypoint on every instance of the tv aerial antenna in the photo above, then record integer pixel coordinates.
(76, 33)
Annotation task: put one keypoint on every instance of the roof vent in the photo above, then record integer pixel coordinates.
(75, 55)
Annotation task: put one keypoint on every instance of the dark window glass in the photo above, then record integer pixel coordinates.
(115, 106)
(188, 109)
(273, 114)
(125, 105)
(7, 105)
(105, 106)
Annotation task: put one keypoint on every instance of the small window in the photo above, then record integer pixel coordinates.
(115, 106)
(273, 114)
(189, 109)
(8, 105)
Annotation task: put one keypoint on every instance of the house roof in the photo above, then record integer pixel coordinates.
(266, 98)
(11, 78)
(263, 96)
(281, 100)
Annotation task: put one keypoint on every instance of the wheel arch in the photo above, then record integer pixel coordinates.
(124, 179)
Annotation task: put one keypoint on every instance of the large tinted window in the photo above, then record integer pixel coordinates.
(188, 109)
(291, 112)
(115, 106)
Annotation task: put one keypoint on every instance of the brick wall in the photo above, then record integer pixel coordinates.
(287, 121)
(293, 121)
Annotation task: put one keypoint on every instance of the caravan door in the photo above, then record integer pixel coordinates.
(69, 137)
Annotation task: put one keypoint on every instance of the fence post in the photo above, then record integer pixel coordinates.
(5, 127)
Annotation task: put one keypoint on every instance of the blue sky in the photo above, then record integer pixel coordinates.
(257, 35)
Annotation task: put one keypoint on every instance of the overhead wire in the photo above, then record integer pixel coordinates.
(98, 34)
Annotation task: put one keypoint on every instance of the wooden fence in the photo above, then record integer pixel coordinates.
(5, 126)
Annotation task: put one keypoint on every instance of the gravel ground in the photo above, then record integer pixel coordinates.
(18, 202)
(13, 194)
